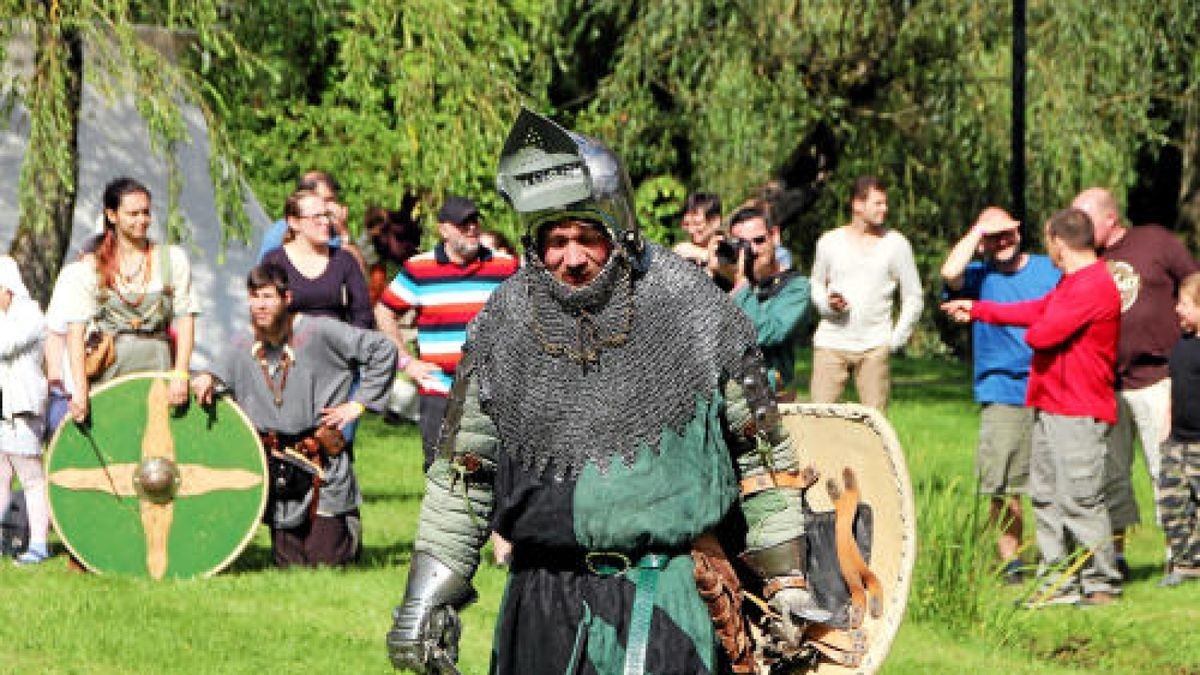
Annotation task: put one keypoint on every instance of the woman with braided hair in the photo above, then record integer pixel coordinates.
(134, 291)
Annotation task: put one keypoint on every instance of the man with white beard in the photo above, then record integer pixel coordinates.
(446, 287)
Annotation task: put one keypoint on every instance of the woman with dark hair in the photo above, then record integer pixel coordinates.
(133, 291)
(324, 281)
(389, 238)
(495, 240)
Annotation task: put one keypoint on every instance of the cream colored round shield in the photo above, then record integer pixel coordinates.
(864, 499)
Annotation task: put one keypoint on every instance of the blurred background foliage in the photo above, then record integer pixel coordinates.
(786, 100)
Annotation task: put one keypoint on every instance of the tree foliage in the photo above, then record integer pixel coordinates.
(134, 48)
(391, 97)
(787, 99)
(736, 96)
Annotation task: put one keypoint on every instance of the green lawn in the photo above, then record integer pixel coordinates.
(253, 619)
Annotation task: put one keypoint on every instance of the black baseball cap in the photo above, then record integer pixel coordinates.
(457, 210)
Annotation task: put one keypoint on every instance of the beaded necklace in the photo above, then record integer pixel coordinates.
(127, 281)
(286, 358)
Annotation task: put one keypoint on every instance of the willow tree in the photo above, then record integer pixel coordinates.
(726, 92)
(393, 97)
(732, 96)
(414, 96)
(157, 73)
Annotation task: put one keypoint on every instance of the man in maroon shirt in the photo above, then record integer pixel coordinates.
(1073, 331)
(1148, 263)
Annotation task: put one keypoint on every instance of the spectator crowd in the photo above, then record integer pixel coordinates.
(1076, 352)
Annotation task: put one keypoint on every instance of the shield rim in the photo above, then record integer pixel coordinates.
(251, 532)
(889, 625)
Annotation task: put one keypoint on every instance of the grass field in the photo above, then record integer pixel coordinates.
(253, 619)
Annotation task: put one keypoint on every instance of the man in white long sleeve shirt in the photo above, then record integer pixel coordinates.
(855, 275)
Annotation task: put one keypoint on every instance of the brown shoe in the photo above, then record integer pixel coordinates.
(1097, 599)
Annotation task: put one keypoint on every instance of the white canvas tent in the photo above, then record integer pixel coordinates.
(114, 141)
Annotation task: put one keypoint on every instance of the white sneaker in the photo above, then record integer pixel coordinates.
(31, 556)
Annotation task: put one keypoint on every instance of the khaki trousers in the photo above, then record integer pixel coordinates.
(1145, 408)
(871, 369)
(1066, 480)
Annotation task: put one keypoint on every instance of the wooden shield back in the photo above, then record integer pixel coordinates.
(98, 497)
(832, 437)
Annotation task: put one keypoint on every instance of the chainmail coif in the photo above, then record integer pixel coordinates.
(572, 376)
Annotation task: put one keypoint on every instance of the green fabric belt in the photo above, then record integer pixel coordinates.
(644, 575)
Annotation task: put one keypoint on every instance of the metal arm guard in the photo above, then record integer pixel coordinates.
(789, 558)
(777, 548)
(425, 627)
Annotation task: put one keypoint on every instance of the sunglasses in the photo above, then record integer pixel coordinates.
(757, 241)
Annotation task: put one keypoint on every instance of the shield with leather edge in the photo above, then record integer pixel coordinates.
(153, 490)
(861, 506)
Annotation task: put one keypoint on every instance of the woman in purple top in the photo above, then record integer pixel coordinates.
(324, 281)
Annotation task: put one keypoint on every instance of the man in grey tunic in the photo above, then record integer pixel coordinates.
(292, 376)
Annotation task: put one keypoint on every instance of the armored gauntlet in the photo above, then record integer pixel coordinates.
(784, 568)
(426, 627)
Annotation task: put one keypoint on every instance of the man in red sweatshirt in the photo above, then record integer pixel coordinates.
(1073, 331)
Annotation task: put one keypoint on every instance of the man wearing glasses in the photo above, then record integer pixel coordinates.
(777, 301)
(446, 287)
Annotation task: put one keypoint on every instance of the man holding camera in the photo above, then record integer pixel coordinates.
(293, 378)
(777, 301)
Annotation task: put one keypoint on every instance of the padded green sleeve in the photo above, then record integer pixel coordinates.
(457, 509)
(774, 515)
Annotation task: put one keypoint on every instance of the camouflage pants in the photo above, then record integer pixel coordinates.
(1179, 500)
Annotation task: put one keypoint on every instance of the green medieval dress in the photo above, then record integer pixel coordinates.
(600, 432)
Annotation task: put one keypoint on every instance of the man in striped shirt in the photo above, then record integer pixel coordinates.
(446, 287)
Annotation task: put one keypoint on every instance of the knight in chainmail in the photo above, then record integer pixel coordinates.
(611, 410)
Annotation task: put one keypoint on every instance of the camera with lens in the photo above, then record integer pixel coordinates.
(728, 250)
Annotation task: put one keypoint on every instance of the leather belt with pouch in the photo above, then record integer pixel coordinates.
(297, 462)
(99, 352)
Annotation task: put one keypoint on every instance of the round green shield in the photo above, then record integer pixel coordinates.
(148, 489)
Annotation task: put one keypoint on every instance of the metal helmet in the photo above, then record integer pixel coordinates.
(548, 173)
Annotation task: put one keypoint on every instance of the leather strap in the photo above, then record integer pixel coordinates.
(643, 571)
(316, 498)
(303, 448)
(843, 647)
(799, 479)
(779, 583)
(645, 580)
(719, 587)
(860, 580)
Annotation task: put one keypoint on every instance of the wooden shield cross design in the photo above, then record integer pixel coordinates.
(146, 489)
